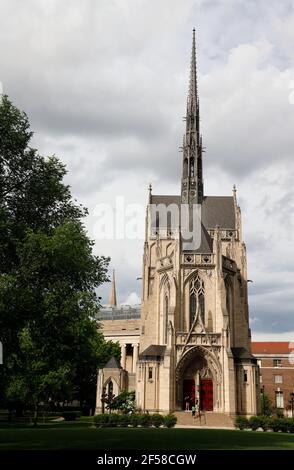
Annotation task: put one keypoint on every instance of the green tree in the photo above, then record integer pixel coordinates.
(48, 277)
(124, 402)
(266, 405)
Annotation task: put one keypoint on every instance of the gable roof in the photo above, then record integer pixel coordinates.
(215, 211)
(165, 199)
(112, 364)
(218, 210)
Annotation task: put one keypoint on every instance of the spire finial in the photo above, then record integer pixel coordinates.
(193, 74)
(150, 192)
(112, 297)
(235, 194)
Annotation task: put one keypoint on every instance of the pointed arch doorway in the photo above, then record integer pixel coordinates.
(201, 390)
(198, 379)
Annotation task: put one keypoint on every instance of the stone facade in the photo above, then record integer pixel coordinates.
(194, 341)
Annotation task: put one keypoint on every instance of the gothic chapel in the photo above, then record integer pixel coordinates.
(192, 340)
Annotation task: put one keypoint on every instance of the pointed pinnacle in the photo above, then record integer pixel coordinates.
(193, 75)
(150, 192)
(112, 297)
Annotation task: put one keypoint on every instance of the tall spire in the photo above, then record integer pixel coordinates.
(112, 297)
(193, 95)
(192, 179)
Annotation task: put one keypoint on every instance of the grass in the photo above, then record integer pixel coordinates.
(81, 435)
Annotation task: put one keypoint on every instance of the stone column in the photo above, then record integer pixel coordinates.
(123, 355)
(135, 356)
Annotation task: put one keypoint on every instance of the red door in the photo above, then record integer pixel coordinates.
(206, 395)
(188, 391)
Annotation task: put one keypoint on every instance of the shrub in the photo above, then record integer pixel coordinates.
(124, 420)
(169, 421)
(264, 422)
(241, 423)
(145, 420)
(290, 425)
(101, 420)
(134, 420)
(71, 415)
(278, 424)
(255, 422)
(157, 420)
(274, 424)
(113, 420)
(283, 424)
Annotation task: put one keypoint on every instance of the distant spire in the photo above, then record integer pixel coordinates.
(192, 180)
(112, 297)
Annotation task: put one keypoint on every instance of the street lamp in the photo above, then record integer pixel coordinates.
(292, 403)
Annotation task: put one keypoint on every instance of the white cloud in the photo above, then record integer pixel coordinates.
(133, 299)
(287, 336)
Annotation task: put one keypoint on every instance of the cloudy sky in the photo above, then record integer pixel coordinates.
(104, 83)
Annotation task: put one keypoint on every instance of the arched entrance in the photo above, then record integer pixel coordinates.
(198, 380)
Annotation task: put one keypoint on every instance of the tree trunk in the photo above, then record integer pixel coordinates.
(36, 413)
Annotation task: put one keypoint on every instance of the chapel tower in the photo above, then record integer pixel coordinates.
(194, 338)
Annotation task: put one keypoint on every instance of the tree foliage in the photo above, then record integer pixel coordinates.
(124, 402)
(48, 276)
(266, 405)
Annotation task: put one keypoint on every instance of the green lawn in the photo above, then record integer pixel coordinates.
(80, 435)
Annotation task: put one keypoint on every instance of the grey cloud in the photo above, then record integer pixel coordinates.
(273, 322)
(271, 289)
(104, 84)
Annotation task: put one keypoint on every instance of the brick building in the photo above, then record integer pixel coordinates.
(276, 362)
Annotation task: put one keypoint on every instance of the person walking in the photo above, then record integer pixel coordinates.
(193, 411)
(187, 401)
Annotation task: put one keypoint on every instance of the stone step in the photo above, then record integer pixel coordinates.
(208, 419)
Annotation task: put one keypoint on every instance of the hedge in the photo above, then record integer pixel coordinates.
(145, 420)
(265, 423)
